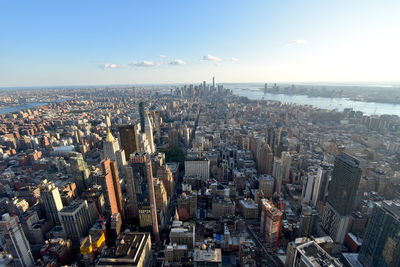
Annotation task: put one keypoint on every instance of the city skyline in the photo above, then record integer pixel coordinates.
(92, 43)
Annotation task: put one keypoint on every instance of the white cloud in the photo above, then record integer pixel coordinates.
(297, 42)
(177, 62)
(162, 56)
(146, 64)
(109, 66)
(300, 42)
(233, 59)
(211, 58)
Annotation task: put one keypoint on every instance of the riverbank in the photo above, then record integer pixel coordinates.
(368, 108)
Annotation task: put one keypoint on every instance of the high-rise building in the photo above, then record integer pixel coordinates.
(266, 185)
(51, 198)
(75, 221)
(146, 139)
(345, 180)
(381, 244)
(342, 193)
(277, 173)
(287, 165)
(128, 139)
(111, 150)
(112, 187)
(265, 161)
(320, 189)
(161, 200)
(15, 241)
(141, 190)
(270, 221)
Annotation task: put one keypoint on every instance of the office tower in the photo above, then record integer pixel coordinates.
(128, 139)
(112, 187)
(320, 189)
(308, 221)
(271, 138)
(131, 249)
(277, 173)
(15, 241)
(141, 191)
(164, 173)
(342, 192)
(270, 221)
(266, 185)
(50, 196)
(198, 166)
(80, 172)
(75, 221)
(265, 159)
(265, 88)
(160, 195)
(287, 165)
(381, 244)
(110, 146)
(213, 81)
(204, 85)
(146, 131)
(345, 180)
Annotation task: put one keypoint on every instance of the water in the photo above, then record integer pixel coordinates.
(368, 108)
(12, 109)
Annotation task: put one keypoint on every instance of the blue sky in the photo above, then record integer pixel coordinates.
(120, 42)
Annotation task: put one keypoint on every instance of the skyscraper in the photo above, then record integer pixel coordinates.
(75, 221)
(345, 180)
(269, 221)
(110, 147)
(50, 196)
(342, 192)
(146, 139)
(112, 187)
(15, 241)
(141, 190)
(381, 244)
(128, 139)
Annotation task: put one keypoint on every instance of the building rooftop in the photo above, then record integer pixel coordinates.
(316, 256)
(127, 252)
(208, 255)
(393, 207)
(72, 207)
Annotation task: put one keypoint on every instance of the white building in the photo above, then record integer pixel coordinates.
(199, 167)
(50, 196)
(16, 243)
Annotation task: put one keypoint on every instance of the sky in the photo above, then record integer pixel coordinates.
(75, 42)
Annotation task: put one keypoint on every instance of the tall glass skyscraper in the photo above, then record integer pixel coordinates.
(381, 244)
(344, 185)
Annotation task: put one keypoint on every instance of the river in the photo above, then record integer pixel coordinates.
(368, 108)
(12, 109)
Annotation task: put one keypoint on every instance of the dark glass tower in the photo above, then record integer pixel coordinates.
(343, 187)
(127, 137)
(143, 188)
(381, 244)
